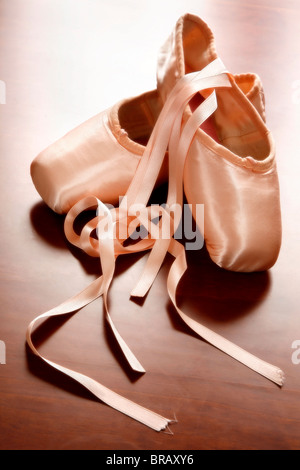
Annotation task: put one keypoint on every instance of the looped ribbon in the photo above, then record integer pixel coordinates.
(117, 225)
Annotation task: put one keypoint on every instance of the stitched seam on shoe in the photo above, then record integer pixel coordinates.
(257, 166)
(122, 138)
(208, 37)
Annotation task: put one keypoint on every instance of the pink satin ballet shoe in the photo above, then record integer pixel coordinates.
(231, 169)
(99, 157)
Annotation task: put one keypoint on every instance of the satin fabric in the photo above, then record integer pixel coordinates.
(85, 161)
(98, 157)
(234, 175)
(242, 209)
(190, 47)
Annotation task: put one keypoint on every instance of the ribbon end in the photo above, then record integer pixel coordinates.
(139, 292)
(140, 369)
(281, 378)
(174, 421)
(167, 430)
